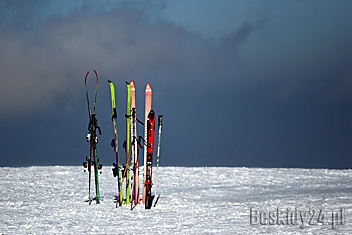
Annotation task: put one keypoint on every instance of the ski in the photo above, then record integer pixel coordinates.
(128, 143)
(92, 138)
(148, 107)
(114, 143)
(150, 151)
(160, 124)
(134, 148)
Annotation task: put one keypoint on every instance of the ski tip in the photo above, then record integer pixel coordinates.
(151, 113)
(85, 77)
(109, 81)
(160, 120)
(148, 87)
(127, 83)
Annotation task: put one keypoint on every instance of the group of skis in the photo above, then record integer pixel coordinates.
(127, 174)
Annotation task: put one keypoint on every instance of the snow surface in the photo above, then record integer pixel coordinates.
(51, 200)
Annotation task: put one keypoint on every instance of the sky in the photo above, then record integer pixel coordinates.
(241, 83)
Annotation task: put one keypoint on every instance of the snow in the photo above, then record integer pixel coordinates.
(51, 200)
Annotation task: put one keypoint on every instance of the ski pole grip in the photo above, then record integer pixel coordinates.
(160, 120)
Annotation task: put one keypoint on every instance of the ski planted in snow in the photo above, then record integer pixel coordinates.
(160, 124)
(150, 151)
(92, 138)
(134, 148)
(148, 107)
(128, 144)
(114, 143)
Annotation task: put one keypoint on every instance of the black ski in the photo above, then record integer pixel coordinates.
(92, 138)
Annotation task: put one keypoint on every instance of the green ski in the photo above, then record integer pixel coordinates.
(128, 143)
(114, 143)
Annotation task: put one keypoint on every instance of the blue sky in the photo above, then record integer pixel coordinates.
(240, 83)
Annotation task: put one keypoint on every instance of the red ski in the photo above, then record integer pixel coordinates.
(150, 151)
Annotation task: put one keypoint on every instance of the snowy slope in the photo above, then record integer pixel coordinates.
(50, 200)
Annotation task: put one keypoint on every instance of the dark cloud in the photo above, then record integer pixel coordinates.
(38, 68)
